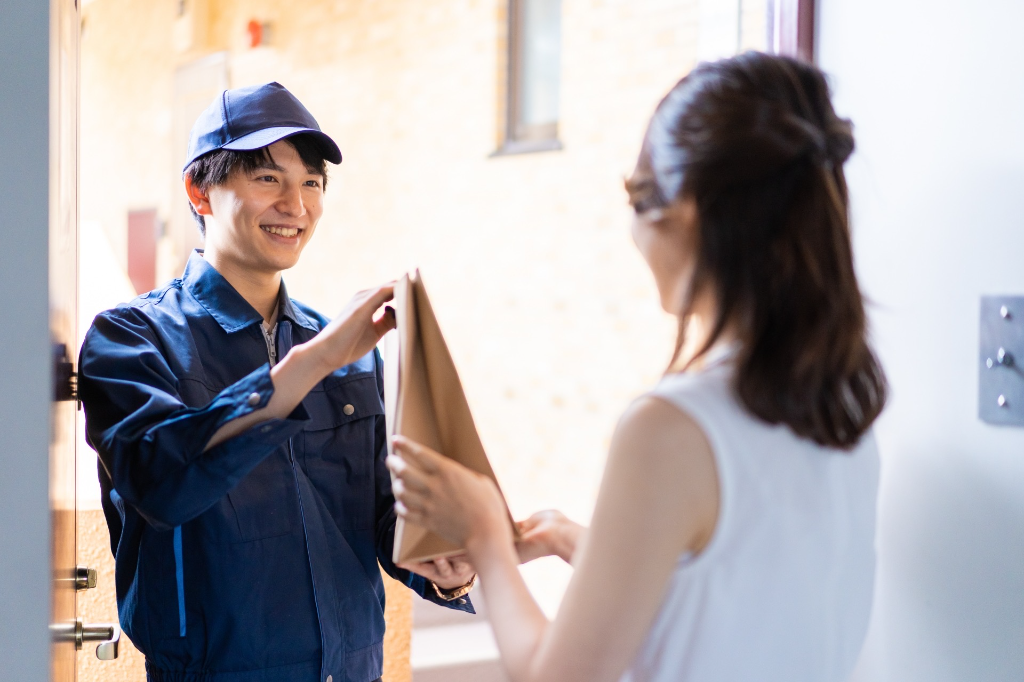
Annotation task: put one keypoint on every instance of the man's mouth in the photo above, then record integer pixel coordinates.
(281, 231)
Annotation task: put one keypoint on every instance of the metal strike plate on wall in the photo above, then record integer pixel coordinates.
(1001, 361)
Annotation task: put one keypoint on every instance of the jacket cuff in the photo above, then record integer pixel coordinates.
(426, 589)
(248, 394)
(245, 396)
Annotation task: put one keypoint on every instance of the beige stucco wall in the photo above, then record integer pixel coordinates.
(125, 142)
(550, 313)
(98, 605)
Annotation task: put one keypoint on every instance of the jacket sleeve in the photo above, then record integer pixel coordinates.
(385, 514)
(149, 442)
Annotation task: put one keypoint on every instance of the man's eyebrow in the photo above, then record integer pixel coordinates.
(268, 165)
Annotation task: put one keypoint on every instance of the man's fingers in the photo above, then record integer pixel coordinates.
(424, 568)
(461, 566)
(429, 570)
(444, 568)
(386, 322)
(379, 296)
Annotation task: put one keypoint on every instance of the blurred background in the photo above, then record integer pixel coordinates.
(486, 141)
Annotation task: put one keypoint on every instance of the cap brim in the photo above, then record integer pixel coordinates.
(268, 136)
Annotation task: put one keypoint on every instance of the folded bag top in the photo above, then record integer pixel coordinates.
(429, 407)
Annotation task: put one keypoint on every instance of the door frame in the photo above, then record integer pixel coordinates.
(27, 157)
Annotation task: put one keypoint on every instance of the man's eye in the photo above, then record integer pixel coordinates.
(312, 183)
(266, 178)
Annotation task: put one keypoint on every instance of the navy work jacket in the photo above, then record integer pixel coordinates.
(256, 560)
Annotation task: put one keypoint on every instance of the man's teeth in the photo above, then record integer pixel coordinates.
(283, 231)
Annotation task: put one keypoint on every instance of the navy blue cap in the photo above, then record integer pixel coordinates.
(254, 117)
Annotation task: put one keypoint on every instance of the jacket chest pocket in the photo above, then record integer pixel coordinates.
(265, 502)
(339, 446)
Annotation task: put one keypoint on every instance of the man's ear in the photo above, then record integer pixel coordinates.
(199, 198)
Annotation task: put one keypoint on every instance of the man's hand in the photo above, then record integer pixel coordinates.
(445, 573)
(350, 336)
(354, 332)
(548, 533)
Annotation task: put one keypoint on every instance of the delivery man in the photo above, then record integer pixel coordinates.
(241, 434)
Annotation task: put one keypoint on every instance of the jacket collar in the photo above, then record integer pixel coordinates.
(225, 304)
(288, 310)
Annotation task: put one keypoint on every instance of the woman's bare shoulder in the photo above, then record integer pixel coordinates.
(651, 424)
(660, 452)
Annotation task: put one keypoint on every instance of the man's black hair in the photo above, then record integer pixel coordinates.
(213, 169)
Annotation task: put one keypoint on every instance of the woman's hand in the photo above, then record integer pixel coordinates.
(548, 533)
(445, 497)
(354, 332)
(447, 573)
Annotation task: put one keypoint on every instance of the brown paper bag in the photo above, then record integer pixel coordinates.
(429, 407)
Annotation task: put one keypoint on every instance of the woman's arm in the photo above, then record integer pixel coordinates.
(658, 499)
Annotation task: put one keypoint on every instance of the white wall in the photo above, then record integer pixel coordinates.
(24, 342)
(936, 93)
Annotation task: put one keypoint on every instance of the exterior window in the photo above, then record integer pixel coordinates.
(534, 75)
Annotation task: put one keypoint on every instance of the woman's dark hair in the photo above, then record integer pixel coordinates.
(213, 169)
(755, 142)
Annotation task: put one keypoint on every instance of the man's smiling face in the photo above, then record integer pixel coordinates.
(262, 220)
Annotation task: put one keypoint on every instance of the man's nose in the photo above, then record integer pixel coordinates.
(290, 202)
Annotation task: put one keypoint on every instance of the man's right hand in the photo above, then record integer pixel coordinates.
(548, 533)
(354, 332)
(348, 337)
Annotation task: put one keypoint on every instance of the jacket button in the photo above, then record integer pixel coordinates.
(254, 399)
(348, 410)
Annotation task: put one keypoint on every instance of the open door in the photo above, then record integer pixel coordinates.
(69, 633)
(63, 299)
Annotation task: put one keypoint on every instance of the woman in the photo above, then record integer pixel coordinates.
(733, 533)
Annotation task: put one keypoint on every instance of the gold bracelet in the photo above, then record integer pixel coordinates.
(454, 593)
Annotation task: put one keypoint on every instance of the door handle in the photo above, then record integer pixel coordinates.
(107, 634)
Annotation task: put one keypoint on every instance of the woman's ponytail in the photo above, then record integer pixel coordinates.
(754, 140)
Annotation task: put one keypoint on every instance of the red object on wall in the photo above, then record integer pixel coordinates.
(793, 28)
(142, 235)
(255, 30)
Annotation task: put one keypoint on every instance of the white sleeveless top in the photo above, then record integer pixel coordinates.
(783, 590)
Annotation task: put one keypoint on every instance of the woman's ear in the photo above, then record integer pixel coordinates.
(199, 198)
(683, 212)
(681, 220)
